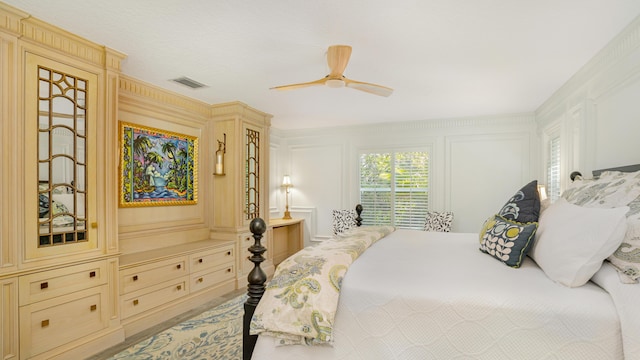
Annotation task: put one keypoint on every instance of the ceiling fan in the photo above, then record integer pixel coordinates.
(337, 58)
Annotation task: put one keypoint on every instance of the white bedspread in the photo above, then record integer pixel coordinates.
(425, 295)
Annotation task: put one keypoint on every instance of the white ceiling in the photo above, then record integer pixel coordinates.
(444, 58)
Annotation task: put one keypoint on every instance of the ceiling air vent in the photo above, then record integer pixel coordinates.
(188, 82)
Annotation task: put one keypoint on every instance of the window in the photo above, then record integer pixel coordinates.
(553, 168)
(394, 188)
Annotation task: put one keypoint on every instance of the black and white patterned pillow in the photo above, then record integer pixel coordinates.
(343, 220)
(438, 221)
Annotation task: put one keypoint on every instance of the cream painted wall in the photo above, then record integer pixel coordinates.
(150, 227)
(476, 165)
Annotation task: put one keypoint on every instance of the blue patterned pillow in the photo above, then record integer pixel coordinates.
(507, 240)
(524, 205)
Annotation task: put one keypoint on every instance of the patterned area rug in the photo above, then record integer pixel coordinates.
(214, 334)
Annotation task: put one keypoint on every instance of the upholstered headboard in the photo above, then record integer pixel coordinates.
(627, 168)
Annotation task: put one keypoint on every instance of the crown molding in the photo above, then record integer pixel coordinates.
(158, 98)
(526, 119)
(29, 28)
(238, 108)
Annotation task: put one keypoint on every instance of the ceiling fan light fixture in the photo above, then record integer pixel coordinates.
(337, 59)
(334, 83)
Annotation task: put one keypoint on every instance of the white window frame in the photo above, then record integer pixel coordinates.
(416, 222)
(553, 182)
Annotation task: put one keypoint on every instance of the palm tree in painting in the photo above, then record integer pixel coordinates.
(141, 145)
(169, 149)
(182, 156)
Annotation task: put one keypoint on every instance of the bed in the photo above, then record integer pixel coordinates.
(428, 295)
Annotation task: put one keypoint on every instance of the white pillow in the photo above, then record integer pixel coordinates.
(572, 241)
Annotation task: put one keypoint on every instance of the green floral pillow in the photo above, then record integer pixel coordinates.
(507, 240)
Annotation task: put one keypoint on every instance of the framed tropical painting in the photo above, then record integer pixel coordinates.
(157, 167)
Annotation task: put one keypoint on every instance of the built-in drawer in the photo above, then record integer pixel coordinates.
(208, 278)
(49, 284)
(142, 276)
(48, 324)
(151, 297)
(211, 258)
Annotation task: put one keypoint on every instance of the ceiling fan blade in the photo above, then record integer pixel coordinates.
(338, 58)
(368, 87)
(300, 85)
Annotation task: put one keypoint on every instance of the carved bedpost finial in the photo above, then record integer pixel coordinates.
(256, 277)
(359, 212)
(255, 289)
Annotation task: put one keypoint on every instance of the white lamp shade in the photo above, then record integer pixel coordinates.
(542, 191)
(286, 181)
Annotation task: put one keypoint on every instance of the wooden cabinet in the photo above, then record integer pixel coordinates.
(287, 238)
(62, 306)
(241, 194)
(211, 267)
(59, 263)
(160, 283)
(9, 343)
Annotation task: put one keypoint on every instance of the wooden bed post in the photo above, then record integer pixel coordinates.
(255, 289)
(257, 279)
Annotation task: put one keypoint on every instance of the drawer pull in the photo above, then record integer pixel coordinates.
(92, 274)
(179, 287)
(135, 277)
(94, 225)
(200, 261)
(228, 253)
(44, 323)
(93, 307)
(44, 285)
(179, 266)
(229, 270)
(135, 302)
(200, 280)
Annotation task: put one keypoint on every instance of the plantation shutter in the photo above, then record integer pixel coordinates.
(394, 188)
(411, 189)
(375, 188)
(553, 168)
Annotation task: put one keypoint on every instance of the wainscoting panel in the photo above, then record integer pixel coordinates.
(483, 172)
(317, 174)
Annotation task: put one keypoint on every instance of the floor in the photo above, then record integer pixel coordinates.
(136, 338)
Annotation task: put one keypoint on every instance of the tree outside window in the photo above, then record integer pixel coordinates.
(394, 188)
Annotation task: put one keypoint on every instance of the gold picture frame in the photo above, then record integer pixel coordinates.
(157, 167)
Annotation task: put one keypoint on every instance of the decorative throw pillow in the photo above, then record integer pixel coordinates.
(438, 221)
(615, 189)
(611, 189)
(626, 259)
(507, 240)
(343, 220)
(524, 205)
(573, 241)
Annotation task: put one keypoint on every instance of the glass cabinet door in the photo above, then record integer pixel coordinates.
(252, 174)
(60, 117)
